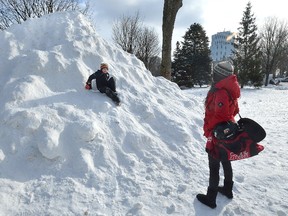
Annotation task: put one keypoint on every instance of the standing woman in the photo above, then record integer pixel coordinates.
(221, 105)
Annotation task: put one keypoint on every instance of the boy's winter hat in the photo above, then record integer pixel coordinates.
(224, 69)
(104, 65)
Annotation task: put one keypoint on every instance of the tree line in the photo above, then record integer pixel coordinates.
(260, 53)
(256, 55)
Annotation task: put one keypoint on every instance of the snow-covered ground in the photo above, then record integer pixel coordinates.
(68, 151)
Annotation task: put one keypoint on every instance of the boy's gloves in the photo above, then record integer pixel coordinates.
(88, 86)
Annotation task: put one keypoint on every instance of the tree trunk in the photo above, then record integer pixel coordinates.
(170, 10)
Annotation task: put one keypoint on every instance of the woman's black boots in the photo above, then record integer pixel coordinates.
(209, 199)
(226, 190)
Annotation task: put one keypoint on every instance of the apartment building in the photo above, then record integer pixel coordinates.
(222, 46)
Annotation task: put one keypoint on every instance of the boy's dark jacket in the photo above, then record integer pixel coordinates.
(101, 79)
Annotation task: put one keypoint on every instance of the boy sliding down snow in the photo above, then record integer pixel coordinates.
(105, 83)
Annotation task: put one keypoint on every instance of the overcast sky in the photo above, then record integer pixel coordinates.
(214, 16)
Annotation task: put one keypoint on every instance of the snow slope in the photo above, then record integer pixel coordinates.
(68, 151)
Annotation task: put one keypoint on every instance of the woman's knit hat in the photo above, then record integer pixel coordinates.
(224, 68)
(104, 65)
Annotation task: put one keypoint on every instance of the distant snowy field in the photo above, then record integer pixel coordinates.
(68, 151)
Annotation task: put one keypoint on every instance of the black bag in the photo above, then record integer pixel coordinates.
(226, 130)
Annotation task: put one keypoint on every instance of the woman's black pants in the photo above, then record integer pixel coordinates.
(214, 166)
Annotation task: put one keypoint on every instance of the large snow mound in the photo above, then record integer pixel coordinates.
(51, 126)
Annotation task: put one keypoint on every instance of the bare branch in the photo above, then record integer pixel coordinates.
(18, 11)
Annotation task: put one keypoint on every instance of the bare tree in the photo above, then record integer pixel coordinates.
(170, 10)
(147, 46)
(125, 32)
(274, 39)
(18, 11)
(154, 65)
(133, 37)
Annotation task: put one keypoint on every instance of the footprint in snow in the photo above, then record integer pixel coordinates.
(181, 188)
(135, 209)
(170, 209)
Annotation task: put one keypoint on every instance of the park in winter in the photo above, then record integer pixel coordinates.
(68, 151)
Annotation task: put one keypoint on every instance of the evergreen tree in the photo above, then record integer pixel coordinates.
(192, 59)
(247, 51)
(177, 55)
(178, 73)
